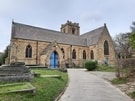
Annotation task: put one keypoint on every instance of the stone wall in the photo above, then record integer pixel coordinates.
(18, 46)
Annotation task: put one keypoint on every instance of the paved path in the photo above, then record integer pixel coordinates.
(105, 75)
(85, 86)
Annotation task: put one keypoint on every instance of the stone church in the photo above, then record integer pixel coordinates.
(55, 49)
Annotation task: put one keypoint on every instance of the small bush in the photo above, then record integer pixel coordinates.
(90, 65)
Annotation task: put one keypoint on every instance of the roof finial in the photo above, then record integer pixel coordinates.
(104, 24)
(12, 20)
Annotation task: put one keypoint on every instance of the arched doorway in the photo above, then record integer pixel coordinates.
(54, 60)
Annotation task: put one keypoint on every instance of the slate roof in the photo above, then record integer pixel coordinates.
(23, 31)
(93, 36)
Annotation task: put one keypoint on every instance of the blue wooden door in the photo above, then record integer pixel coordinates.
(54, 60)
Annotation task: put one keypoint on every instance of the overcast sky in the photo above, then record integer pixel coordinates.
(50, 14)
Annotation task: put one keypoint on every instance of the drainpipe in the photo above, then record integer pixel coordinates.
(71, 53)
(36, 52)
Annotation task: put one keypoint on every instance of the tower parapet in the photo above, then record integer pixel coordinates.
(71, 28)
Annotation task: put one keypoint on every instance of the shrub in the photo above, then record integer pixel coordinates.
(90, 65)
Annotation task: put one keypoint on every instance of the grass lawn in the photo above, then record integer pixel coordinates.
(105, 68)
(119, 81)
(47, 89)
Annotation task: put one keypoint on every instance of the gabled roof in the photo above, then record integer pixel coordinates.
(93, 36)
(23, 31)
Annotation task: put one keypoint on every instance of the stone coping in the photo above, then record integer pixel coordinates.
(30, 88)
(51, 76)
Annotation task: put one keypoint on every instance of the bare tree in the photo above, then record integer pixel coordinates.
(133, 27)
(122, 45)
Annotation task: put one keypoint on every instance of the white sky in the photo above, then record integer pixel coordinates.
(50, 14)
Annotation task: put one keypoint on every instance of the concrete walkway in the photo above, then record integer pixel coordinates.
(85, 86)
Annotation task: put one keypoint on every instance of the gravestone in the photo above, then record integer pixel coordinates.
(15, 72)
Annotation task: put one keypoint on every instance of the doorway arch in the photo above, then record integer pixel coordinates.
(54, 60)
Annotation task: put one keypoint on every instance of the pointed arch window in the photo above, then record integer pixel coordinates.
(63, 52)
(106, 48)
(73, 30)
(73, 54)
(92, 54)
(84, 54)
(28, 52)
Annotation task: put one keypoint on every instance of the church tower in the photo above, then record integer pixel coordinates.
(70, 28)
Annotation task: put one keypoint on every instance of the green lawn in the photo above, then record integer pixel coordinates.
(105, 68)
(119, 81)
(47, 89)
